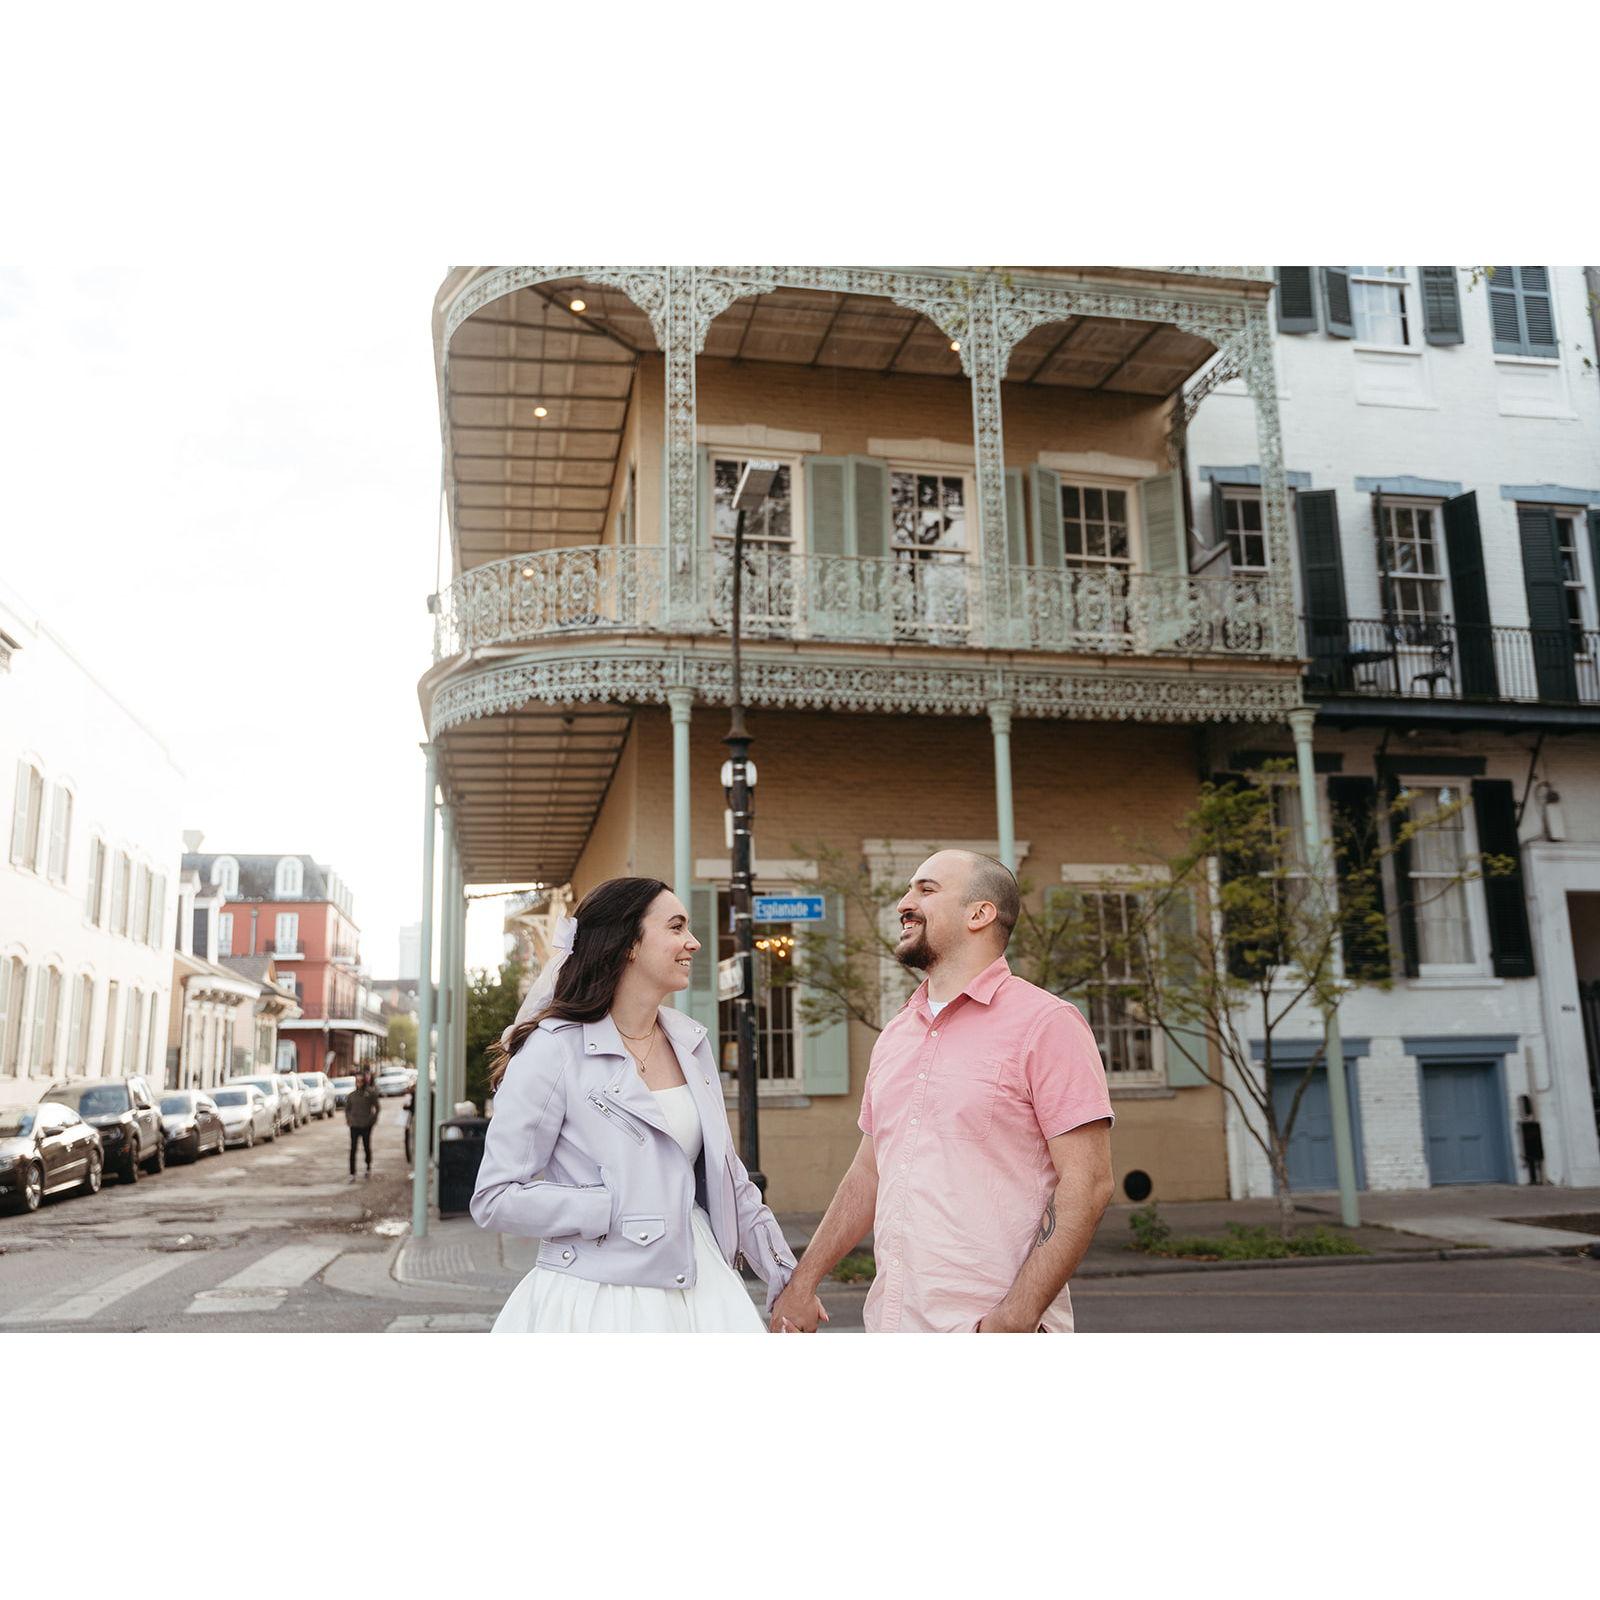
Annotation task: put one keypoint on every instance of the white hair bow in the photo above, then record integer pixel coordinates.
(544, 986)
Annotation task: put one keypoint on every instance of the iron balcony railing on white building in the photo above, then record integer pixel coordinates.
(912, 597)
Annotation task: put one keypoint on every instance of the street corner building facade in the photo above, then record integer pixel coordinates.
(1441, 445)
(89, 876)
(283, 926)
(972, 614)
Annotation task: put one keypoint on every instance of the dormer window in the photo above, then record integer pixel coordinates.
(225, 876)
(290, 883)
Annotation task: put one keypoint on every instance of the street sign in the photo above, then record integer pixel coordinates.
(730, 978)
(788, 908)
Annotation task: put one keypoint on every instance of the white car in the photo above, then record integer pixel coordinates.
(278, 1102)
(245, 1114)
(343, 1088)
(392, 1081)
(294, 1091)
(318, 1088)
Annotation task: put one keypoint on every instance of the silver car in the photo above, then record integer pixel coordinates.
(318, 1088)
(277, 1101)
(294, 1092)
(245, 1114)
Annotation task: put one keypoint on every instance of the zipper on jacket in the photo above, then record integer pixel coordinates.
(617, 1118)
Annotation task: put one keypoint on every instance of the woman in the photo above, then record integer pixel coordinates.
(610, 1145)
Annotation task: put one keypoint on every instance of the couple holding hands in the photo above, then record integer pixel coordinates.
(983, 1169)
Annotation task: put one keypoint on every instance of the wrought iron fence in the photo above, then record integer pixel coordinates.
(912, 596)
(1432, 659)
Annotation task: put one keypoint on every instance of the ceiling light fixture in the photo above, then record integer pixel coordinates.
(579, 305)
(955, 344)
(540, 411)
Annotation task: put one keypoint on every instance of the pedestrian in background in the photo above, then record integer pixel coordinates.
(360, 1114)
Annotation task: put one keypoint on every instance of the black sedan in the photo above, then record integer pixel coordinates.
(46, 1149)
(191, 1125)
(124, 1110)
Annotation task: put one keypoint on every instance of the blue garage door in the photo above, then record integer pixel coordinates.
(1465, 1123)
(1311, 1164)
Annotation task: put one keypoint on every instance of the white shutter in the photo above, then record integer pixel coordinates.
(19, 816)
(60, 833)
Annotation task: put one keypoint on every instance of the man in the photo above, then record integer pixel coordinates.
(986, 1162)
(360, 1113)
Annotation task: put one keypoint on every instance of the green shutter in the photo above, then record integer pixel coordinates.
(1187, 1043)
(1165, 537)
(826, 480)
(1336, 301)
(1047, 517)
(1510, 943)
(1594, 554)
(1441, 305)
(1322, 577)
(1538, 312)
(702, 996)
(1505, 316)
(1544, 578)
(1297, 300)
(1353, 802)
(868, 505)
(825, 1051)
(1469, 593)
(1016, 519)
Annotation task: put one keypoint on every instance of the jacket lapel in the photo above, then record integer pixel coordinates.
(623, 1086)
(687, 1037)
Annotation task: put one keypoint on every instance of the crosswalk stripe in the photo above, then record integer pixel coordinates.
(79, 1305)
(443, 1322)
(265, 1284)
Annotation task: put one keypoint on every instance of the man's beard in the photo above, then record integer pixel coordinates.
(919, 956)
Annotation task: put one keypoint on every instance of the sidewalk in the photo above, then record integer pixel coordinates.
(461, 1260)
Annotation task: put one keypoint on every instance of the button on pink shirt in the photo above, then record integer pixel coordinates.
(959, 1108)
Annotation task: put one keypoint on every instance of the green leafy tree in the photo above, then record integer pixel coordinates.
(492, 1001)
(402, 1045)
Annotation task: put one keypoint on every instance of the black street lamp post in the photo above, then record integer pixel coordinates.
(739, 780)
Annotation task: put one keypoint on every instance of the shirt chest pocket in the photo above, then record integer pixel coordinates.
(963, 1098)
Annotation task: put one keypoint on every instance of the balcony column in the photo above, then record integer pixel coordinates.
(449, 996)
(1000, 726)
(1319, 863)
(676, 329)
(984, 354)
(1253, 353)
(681, 703)
(459, 1091)
(419, 1179)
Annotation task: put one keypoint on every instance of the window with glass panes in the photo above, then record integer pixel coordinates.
(767, 593)
(1413, 563)
(927, 513)
(1438, 859)
(1571, 532)
(1242, 528)
(777, 1019)
(1125, 1037)
(1378, 301)
(1094, 528)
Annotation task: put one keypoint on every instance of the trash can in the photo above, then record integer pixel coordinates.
(461, 1142)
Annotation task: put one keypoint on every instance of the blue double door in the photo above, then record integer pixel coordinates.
(1464, 1123)
(1311, 1163)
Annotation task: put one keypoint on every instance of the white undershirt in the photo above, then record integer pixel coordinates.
(936, 1006)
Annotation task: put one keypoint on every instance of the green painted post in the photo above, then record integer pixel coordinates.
(681, 702)
(448, 997)
(1319, 863)
(1000, 724)
(419, 1177)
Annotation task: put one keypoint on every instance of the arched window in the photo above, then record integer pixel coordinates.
(225, 876)
(291, 879)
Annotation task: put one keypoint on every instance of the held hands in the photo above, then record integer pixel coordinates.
(796, 1311)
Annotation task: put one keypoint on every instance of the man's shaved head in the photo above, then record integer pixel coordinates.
(991, 880)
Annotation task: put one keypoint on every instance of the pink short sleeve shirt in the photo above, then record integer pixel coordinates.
(959, 1108)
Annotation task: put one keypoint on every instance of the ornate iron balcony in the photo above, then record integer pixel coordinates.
(913, 597)
(1436, 659)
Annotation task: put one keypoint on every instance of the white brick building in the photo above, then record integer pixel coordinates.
(1441, 432)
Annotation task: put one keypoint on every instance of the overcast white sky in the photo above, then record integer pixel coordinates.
(222, 491)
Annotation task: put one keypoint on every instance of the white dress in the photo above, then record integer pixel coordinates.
(547, 1301)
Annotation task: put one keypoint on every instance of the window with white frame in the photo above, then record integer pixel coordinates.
(46, 1022)
(82, 1015)
(1439, 852)
(778, 1029)
(288, 1059)
(1380, 305)
(1571, 537)
(767, 581)
(94, 905)
(27, 823)
(289, 879)
(928, 514)
(60, 832)
(1128, 1044)
(287, 980)
(13, 992)
(1094, 528)
(286, 933)
(225, 876)
(132, 1031)
(139, 915)
(158, 912)
(1413, 564)
(225, 934)
(1242, 529)
(121, 891)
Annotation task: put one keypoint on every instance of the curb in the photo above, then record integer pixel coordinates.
(1382, 1259)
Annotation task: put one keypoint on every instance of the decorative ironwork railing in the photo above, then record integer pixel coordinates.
(1441, 660)
(911, 597)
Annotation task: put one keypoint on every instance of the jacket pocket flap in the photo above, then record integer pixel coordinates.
(557, 1252)
(642, 1230)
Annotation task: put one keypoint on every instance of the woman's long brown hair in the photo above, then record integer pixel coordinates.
(610, 920)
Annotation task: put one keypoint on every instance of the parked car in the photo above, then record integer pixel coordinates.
(295, 1092)
(44, 1150)
(319, 1093)
(245, 1114)
(342, 1090)
(277, 1102)
(392, 1081)
(192, 1124)
(124, 1111)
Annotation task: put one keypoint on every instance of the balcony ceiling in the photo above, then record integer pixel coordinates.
(522, 482)
(527, 787)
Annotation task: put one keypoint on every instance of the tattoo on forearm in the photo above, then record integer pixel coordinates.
(1047, 1223)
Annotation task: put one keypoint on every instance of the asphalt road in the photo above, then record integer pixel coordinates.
(271, 1240)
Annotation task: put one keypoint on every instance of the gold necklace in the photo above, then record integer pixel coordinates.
(638, 1038)
(641, 1065)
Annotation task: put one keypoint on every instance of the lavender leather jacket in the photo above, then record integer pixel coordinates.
(579, 1157)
